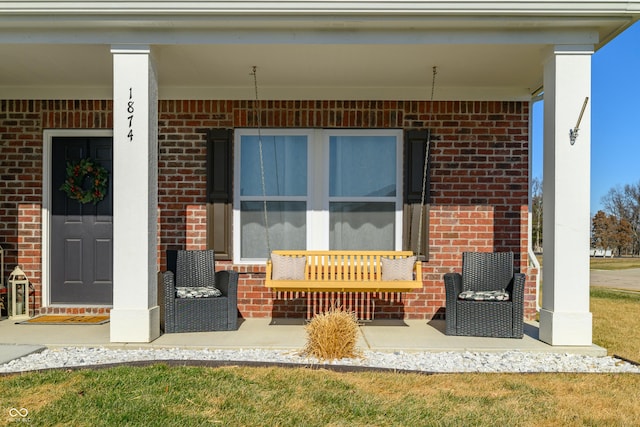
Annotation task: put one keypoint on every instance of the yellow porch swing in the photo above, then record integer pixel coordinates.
(341, 270)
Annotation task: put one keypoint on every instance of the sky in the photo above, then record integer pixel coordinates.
(615, 117)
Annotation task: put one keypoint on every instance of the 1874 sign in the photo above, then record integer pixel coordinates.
(130, 111)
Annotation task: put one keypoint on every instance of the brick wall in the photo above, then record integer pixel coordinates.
(479, 181)
(21, 129)
(20, 181)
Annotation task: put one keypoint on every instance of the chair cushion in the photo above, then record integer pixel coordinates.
(197, 292)
(397, 268)
(288, 267)
(500, 295)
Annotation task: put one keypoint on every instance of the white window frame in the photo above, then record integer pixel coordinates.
(317, 198)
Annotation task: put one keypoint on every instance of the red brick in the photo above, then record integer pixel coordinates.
(471, 170)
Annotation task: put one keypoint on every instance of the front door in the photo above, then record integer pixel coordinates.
(81, 233)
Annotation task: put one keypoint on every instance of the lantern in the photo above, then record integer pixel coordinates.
(19, 287)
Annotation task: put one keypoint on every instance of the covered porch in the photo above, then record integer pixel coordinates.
(139, 56)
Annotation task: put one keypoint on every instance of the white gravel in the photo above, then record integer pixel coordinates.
(445, 362)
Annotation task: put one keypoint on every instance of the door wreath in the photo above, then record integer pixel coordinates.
(86, 181)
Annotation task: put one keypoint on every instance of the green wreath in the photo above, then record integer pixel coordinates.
(86, 181)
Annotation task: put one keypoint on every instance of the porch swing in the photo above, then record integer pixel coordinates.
(352, 271)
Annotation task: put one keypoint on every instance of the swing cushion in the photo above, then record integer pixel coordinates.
(398, 268)
(288, 267)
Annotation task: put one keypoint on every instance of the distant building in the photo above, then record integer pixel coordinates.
(601, 253)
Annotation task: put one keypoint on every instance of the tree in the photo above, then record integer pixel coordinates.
(536, 214)
(624, 203)
(609, 232)
(624, 237)
(603, 229)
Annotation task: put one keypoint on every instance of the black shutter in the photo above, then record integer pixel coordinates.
(415, 151)
(219, 192)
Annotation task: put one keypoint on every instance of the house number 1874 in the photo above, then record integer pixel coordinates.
(130, 110)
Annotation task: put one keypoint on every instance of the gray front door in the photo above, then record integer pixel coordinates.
(81, 234)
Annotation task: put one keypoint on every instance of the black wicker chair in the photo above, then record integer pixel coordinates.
(483, 271)
(197, 269)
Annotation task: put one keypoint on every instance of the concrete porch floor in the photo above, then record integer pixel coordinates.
(283, 334)
(17, 340)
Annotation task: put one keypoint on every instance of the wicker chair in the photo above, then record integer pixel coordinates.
(485, 272)
(197, 269)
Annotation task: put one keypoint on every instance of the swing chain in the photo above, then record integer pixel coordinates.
(426, 160)
(258, 112)
(262, 174)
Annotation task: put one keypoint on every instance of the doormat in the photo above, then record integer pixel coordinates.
(48, 319)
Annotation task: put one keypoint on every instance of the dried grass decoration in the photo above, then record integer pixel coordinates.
(86, 181)
(332, 335)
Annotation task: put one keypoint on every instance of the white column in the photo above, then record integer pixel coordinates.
(565, 318)
(135, 316)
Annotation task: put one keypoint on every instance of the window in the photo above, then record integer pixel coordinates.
(362, 191)
(323, 189)
(281, 182)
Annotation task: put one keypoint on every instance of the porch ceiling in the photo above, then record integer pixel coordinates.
(300, 54)
(284, 71)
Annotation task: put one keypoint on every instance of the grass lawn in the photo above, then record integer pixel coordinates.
(616, 321)
(241, 396)
(614, 263)
(607, 263)
(161, 395)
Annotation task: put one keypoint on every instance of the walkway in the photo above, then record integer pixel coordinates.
(618, 279)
